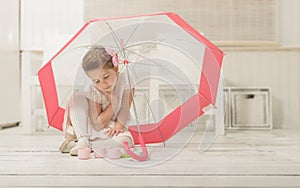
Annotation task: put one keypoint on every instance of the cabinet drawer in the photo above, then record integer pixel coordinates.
(250, 109)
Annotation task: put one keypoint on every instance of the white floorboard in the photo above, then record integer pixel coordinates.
(238, 159)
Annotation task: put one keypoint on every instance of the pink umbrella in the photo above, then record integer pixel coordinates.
(160, 47)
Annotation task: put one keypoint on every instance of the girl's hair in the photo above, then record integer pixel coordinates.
(95, 58)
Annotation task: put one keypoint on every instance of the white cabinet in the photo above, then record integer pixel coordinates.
(248, 108)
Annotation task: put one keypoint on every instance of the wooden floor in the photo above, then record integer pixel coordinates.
(238, 159)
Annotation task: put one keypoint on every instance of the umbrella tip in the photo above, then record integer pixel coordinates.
(125, 62)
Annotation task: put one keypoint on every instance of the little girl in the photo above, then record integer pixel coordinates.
(102, 111)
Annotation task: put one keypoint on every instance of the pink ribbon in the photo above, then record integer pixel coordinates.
(115, 59)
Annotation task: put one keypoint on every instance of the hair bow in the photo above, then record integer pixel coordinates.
(115, 59)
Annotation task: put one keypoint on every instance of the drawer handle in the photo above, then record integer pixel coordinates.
(250, 96)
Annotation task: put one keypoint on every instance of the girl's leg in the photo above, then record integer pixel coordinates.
(70, 136)
(69, 131)
(79, 120)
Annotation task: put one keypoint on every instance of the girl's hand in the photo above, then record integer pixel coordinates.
(119, 128)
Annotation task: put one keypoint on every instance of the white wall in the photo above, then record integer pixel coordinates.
(9, 62)
(289, 23)
(276, 68)
(44, 20)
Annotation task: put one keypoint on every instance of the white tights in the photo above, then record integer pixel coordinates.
(78, 109)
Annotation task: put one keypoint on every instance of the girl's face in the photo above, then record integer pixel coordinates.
(104, 79)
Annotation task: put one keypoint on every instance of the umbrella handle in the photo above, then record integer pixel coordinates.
(144, 155)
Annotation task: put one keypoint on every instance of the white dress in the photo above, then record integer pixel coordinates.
(99, 97)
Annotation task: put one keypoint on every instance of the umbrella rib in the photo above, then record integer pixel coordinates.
(163, 67)
(159, 66)
(133, 102)
(127, 67)
(171, 73)
(151, 111)
(144, 42)
(135, 29)
(153, 41)
(141, 43)
(133, 70)
(115, 37)
(137, 63)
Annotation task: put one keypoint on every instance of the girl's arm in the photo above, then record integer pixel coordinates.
(99, 118)
(123, 114)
